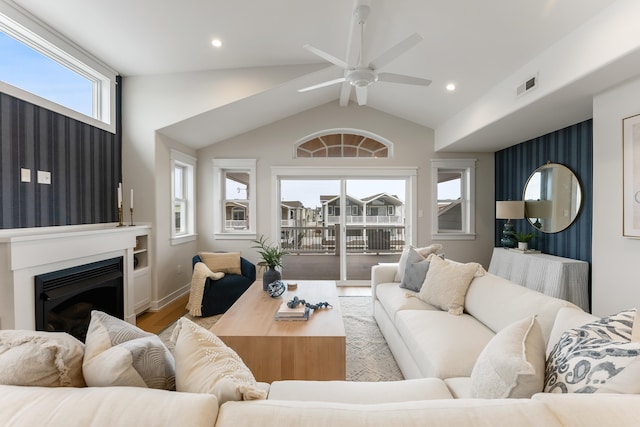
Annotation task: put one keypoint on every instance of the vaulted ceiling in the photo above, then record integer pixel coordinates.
(474, 44)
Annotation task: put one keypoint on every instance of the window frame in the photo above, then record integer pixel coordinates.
(18, 25)
(467, 168)
(188, 163)
(220, 168)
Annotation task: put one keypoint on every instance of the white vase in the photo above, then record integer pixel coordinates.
(523, 246)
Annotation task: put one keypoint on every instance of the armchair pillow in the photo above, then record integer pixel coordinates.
(222, 262)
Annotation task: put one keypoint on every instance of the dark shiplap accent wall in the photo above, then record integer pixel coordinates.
(85, 164)
(572, 147)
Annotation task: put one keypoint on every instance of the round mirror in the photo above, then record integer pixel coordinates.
(553, 198)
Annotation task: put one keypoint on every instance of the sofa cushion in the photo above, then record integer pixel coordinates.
(442, 345)
(592, 410)
(204, 364)
(360, 391)
(488, 292)
(104, 407)
(512, 364)
(599, 357)
(415, 271)
(118, 353)
(393, 299)
(37, 358)
(222, 262)
(446, 283)
(424, 252)
(446, 412)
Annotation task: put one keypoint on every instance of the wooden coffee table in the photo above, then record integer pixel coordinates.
(314, 349)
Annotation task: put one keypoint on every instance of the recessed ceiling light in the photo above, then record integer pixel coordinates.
(216, 42)
(451, 87)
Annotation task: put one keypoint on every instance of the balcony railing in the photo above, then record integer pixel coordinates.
(236, 224)
(360, 239)
(369, 219)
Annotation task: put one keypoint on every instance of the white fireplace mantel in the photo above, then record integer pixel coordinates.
(26, 253)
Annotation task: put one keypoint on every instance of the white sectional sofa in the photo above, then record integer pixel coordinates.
(436, 351)
(429, 342)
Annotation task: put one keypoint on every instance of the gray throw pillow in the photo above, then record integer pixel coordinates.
(415, 271)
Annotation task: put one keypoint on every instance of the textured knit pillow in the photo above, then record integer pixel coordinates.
(222, 262)
(599, 357)
(118, 353)
(512, 364)
(446, 283)
(37, 358)
(415, 271)
(204, 364)
(402, 263)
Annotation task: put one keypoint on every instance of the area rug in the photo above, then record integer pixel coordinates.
(368, 355)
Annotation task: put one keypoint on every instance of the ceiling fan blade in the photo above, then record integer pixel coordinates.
(345, 92)
(321, 85)
(399, 78)
(326, 56)
(361, 94)
(395, 51)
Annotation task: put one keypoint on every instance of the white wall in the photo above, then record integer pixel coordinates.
(615, 259)
(150, 103)
(272, 145)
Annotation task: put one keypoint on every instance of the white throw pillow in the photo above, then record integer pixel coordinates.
(118, 353)
(424, 252)
(204, 364)
(38, 358)
(599, 357)
(512, 364)
(447, 282)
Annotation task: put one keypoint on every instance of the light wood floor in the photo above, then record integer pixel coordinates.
(156, 321)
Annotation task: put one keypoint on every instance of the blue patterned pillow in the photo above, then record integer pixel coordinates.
(599, 357)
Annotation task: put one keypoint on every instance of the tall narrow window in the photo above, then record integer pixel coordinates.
(183, 200)
(234, 198)
(453, 214)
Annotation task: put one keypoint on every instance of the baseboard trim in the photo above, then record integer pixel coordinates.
(162, 303)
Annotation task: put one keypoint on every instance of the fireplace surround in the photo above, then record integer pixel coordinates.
(27, 253)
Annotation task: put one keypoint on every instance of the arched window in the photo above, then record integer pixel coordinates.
(334, 144)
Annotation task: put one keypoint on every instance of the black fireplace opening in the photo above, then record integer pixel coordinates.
(65, 298)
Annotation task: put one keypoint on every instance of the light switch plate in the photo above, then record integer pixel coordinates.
(44, 177)
(25, 175)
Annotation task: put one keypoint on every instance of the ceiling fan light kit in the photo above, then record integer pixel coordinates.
(362, 76)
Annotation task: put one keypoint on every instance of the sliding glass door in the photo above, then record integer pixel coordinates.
(337, 228)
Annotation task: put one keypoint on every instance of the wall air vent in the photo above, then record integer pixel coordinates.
(527, 86)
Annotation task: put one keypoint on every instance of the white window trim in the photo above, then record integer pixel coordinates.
(189, 162)
(219, 168)
(21, 26)
(468, 168)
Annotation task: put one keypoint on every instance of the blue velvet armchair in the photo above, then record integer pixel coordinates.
(219, 295)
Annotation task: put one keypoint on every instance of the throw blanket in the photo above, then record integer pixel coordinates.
(198, 279)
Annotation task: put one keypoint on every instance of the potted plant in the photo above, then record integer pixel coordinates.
(524, 239)
(271, 258)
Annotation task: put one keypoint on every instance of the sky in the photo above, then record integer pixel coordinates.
(29, 70)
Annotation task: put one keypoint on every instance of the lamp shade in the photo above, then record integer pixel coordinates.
(538, 208)
(512, 209)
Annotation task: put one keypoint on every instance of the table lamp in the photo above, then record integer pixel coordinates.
(512, 209)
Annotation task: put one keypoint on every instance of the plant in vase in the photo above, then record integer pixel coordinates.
(524, 239)
(271, 259)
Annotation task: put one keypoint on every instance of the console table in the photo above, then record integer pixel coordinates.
(563, 278)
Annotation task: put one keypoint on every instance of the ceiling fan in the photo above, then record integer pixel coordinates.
(362, 76)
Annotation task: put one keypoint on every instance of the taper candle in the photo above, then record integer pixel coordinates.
(119, 194)
(132, 198)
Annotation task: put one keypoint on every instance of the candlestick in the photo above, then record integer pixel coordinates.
(120, 223)
(131, 210)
